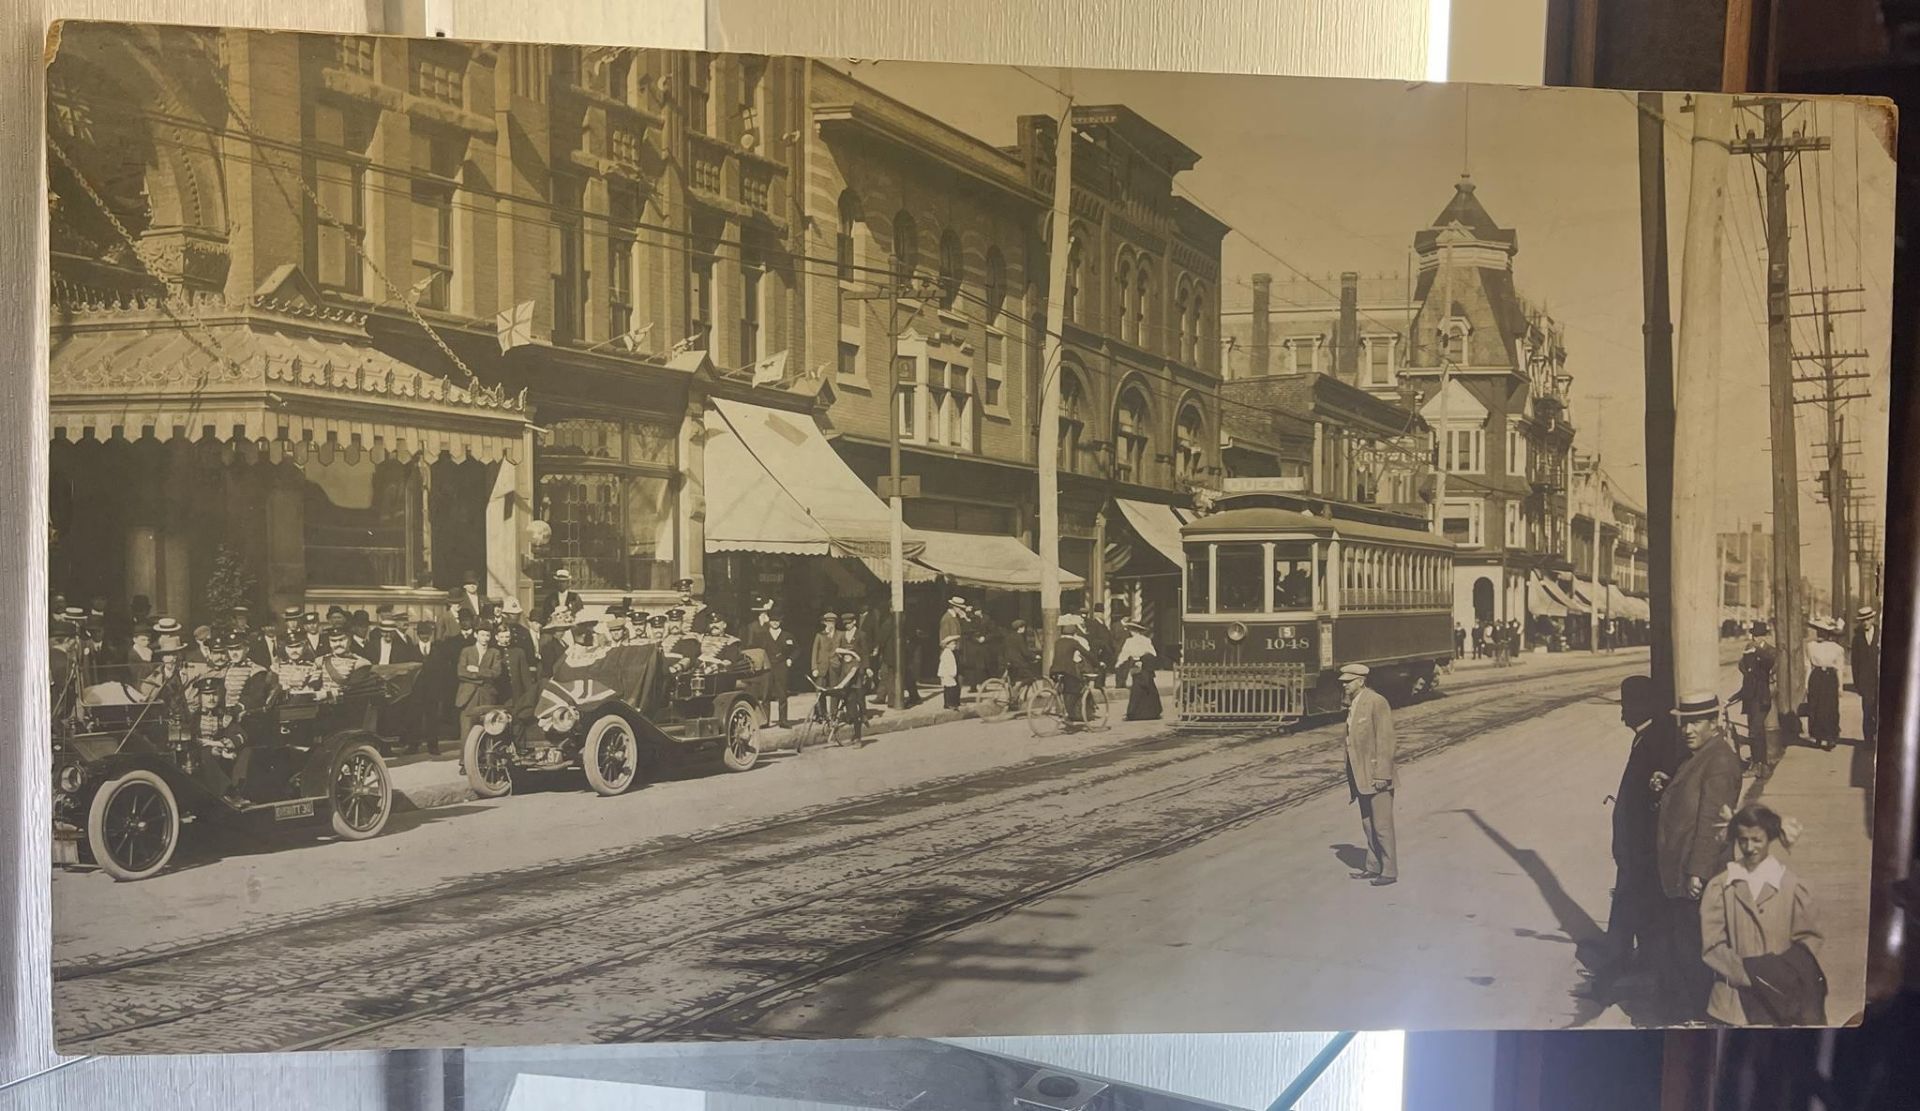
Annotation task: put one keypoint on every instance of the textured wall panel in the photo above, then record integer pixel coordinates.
(1347, 38)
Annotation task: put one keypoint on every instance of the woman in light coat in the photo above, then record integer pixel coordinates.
(1756, 907)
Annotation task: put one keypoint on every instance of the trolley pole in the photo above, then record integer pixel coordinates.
(1059, 243)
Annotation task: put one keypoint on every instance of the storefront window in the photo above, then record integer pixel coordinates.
(1243, 580)
(363, 523)
(606, 489)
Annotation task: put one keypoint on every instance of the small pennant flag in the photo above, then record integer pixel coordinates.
(632, 340)
(514, 326)
(770, 369)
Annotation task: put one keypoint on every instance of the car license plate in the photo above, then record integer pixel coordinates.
(289, 810)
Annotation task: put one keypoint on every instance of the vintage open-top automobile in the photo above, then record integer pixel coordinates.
(615, 716)
(125, 784)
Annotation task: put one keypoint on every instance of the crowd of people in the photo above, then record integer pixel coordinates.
(486, 652)
(1501, 641)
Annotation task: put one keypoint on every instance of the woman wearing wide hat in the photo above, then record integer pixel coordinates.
(1139, 660)
(1825, 658)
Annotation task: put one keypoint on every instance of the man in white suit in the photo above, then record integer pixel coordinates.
(1370, 776)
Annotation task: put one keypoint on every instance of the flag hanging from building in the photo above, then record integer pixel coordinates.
(632, 339)
(514, 326)
(771, 369)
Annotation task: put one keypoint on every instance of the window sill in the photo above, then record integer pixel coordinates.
(856, 385)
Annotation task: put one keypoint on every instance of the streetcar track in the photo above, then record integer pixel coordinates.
(781, 990)
(1112, 755)
(127, 959)
(625, 902)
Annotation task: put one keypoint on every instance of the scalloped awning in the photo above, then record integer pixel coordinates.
(271, 386)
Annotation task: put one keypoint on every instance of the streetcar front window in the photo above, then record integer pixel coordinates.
(1242, 578)
(1293, 575)
(1199, 577)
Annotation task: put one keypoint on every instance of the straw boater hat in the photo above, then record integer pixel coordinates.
(1137, 627)
(561, 575)
(1866, 613)
(1697, 704)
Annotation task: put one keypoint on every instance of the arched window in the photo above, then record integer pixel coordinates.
(1072, 419)
(844, 249)
(996, 286)
(952, 268)
(1076, 265)
(1455, 349)
(1190, 444)
(906, 247)
(1142, 318)
(1123, 296)
(1183, 323)
(1130, 438)
(1200, 330)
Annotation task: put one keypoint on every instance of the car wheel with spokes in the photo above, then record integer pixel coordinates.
(133, 825)
(361, 792)
(740, 750)
(611, 756)
(488, 760)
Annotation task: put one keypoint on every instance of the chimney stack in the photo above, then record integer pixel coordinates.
(1262, 342)
(1346, 335)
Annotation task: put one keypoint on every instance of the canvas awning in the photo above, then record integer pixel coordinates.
(1541, 602)
(774, 484)
(1159, 525)
(998, 562)
(1571, 602)
(260, 381)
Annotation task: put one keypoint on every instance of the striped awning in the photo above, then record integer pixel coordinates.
(281, 389)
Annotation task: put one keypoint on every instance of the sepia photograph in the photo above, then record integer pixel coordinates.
(595, 544)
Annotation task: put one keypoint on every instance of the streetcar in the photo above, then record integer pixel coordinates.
(1282, 591)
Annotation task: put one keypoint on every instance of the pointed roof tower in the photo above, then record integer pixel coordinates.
(1466, 259)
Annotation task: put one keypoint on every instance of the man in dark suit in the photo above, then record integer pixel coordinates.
(1756, 698)
(769, 635)
(825, 640)
(1866, 670)
(389, 643)
(468, 599)
(1634, 924)
(482, 667)
(560, 595)
(1370, 772)
(1100, 641)
(1691, 845)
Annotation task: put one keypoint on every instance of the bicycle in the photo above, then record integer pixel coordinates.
(1048, 714)
(1001, 696)
(830, 721)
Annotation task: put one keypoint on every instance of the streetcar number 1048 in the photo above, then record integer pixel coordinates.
(1287, 638)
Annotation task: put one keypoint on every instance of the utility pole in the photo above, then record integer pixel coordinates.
(1835, 482)
(896, 488)
(1694, 587)
(1059, 243)
(1601, 595)
(1775, 151)
(1657, 336)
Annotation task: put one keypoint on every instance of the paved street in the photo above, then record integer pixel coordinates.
(947, 880)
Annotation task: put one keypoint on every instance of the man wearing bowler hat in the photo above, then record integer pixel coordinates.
(1370, 772)
(1690, 844)
(1866, 669)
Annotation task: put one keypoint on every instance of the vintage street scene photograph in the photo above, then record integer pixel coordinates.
(590, 545)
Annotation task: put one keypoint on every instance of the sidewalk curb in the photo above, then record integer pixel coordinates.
(455, 789)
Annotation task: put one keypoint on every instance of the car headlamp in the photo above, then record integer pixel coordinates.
(496, 721)
(561, 720)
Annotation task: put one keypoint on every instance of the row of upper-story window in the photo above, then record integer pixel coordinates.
(1464, 521)
(1186, 328)
(1131, 452)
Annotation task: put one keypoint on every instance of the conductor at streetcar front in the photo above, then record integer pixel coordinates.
(1370, 774)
